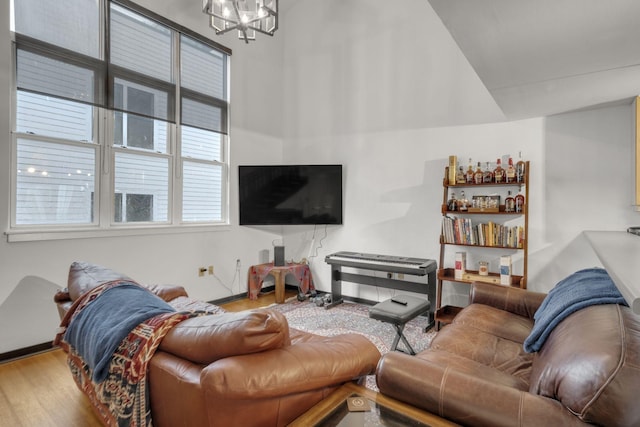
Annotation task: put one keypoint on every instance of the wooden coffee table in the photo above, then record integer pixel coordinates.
(333, 411)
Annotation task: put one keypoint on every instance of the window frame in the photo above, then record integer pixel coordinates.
(102, 219)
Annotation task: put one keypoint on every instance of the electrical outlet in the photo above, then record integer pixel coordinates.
(211, 270)
(201, 271)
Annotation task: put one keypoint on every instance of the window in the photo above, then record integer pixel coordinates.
(127, 131)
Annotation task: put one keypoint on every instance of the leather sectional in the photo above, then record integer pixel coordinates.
(476, 372)
(234, 369)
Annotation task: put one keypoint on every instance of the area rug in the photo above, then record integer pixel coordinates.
(350, 317)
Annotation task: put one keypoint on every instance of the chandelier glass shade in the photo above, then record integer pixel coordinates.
(247, 16)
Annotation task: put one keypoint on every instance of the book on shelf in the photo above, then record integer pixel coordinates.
(460, 265)
(461, 231)
(505, 270)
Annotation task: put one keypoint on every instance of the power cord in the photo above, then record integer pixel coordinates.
(313, 239)
(236, 276)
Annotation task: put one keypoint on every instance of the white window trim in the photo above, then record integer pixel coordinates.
(51, 234)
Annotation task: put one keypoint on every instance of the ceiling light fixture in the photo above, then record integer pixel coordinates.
(247, 16)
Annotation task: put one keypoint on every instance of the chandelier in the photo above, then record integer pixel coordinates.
(247, 16)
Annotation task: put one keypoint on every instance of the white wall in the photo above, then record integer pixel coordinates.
(391, 104)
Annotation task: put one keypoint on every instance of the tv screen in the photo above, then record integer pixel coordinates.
(290, 194)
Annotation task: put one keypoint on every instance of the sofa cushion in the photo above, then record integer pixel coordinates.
(84, 276)
(206, 339)
(484, 348)
(465, 366)
(495, 321)
(589, 363)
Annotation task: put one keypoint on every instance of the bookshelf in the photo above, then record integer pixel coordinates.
(494, 231)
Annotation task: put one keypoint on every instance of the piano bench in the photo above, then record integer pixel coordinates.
(398, 311)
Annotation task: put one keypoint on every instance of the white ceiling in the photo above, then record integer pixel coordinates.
(542, 57)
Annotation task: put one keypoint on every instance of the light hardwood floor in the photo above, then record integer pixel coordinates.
(38, 390)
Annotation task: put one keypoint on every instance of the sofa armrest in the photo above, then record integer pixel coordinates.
(167, 292)
(310, 365)
(518, 301)
(469, 398)
(206, 339)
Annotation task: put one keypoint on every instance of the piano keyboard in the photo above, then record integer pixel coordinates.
(392, 264)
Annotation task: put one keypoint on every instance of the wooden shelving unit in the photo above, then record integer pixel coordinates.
(445, 314)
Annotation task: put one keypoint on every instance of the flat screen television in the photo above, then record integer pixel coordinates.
(290, 194)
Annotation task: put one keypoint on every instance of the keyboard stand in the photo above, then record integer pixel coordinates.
(338, 276)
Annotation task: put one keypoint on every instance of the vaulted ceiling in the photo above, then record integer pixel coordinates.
(542, 57)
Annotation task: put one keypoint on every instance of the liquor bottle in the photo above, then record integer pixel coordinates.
(478, 176)
(460, 178)
(487, 177)
(520, 168)
(510, 176)
(463, 202)
(452, 203)
(469, 175)
(498, 172)
(519, 201)
(509, 203)
(453, 169)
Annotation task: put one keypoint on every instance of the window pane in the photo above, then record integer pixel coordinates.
(140, 132)
(140, 44)
(72, 24)
(201, 115)
(39, 73)
(55, 183)
(201, 144)
(143, 100)
(49, 116)
(202, 192)
(202, 68)
(142, 187)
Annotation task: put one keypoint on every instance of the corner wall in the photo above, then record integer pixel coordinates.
(391, 102)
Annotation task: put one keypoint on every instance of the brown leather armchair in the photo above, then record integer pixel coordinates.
(476, 372)
(228, 369)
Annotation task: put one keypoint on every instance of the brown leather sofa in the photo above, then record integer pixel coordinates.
(476, 372)
(235, 369)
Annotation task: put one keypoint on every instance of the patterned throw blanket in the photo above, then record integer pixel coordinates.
(121, 398)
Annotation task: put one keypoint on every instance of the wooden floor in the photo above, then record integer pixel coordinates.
(38, 391)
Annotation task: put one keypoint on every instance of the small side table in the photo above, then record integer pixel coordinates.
(257, 274)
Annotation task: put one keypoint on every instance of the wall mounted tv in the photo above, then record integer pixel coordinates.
(290, 194)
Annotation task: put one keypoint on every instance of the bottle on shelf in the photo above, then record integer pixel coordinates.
(510, 176)
(498, 172)
(479, 175)
(519, 201)
(463, 202)
(460, 177)
(509, 203)
(520, 168)
(469, 175)
(487, 177)
(452, 203)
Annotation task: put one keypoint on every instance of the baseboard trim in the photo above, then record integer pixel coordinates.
(27, 351)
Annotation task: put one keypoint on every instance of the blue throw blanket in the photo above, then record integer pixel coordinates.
(583, 288)
(97, 330)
